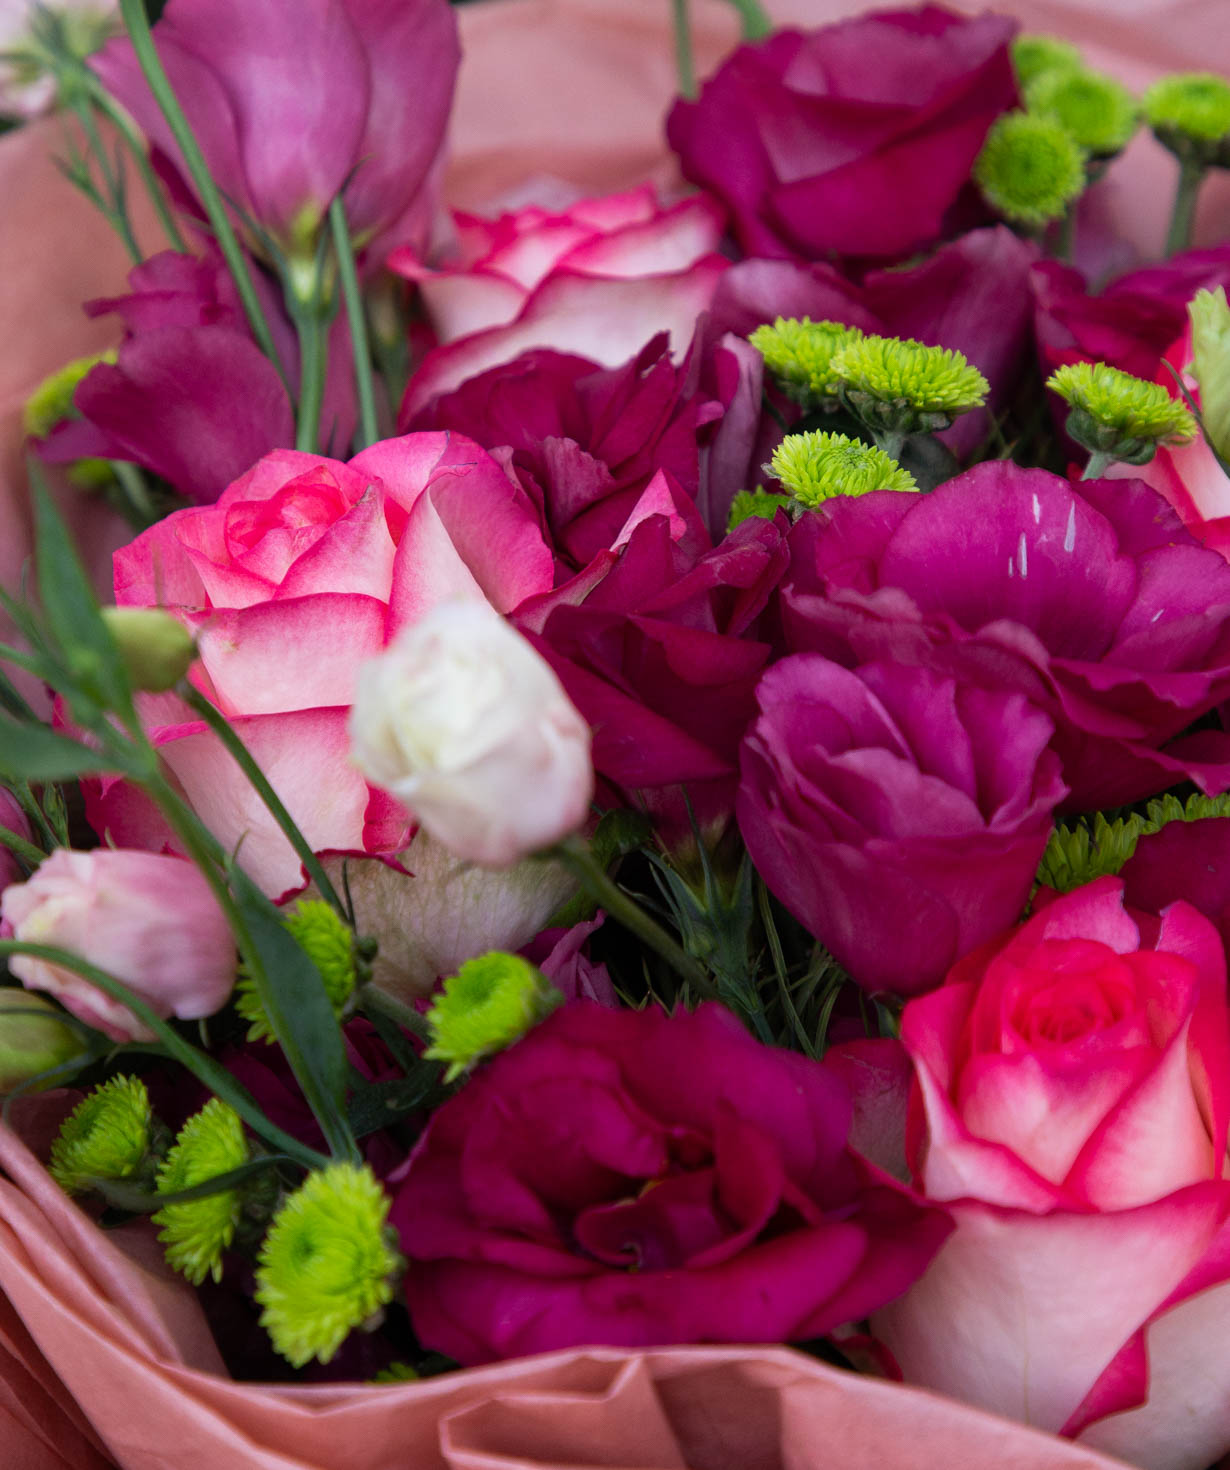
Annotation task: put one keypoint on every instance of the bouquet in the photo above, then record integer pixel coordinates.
(634, 849)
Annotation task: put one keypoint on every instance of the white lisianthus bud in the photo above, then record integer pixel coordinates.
(466, 725)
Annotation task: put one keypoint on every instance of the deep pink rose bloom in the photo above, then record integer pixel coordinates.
(1071, 1106)
(855, 139)
(631, 1178)
(658, 644)
(597, 280)
(585, 440)
(304, 568)
(972, 295)
(191, 396)
(293, 101)
(899, 813)
(1089, 598)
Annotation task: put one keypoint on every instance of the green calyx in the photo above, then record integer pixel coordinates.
(329, 1263)
(1210, 318)
(196, 1232)
(106, 1136)
(896, 385)
(798, 354)
(1030, 169)
(52, 401)
(1096, 111)
(1190, 114)
(1032, 55)
(756, 504)
(329, 943)
(1089, 848)
(488, 1004)
(1118, 415)
(817, 466)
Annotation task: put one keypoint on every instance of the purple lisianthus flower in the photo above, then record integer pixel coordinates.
(1091, 599)
(898, 812)
(1185, 860)
(855, 139)
(632, 1178)
(294, 100)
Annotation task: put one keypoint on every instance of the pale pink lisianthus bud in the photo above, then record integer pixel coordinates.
(466, 725)
(148, 919)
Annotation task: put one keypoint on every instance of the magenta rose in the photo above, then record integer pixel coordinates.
(899, 813)
(1091, 599)
(855, 139)
(631, 1178)
(1070, 1109)
(598, 280)
(304, 568)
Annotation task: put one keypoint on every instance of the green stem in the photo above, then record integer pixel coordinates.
(211, 1073)
(1182, 216)
(573, 853)
(312, 362)
(1066, 239)
(124, 1196)
(754, 18)
(368, 430)
(18, 845)
(891, 443)
(684, 63)
(120, 121)
(242, 757)
(1099, 460)
(118, 211)
(397, 1011)
(136, 494)
(137, 23)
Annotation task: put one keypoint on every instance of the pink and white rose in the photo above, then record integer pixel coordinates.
(1070, 1108)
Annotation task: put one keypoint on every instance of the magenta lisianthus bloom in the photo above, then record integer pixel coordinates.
(1185, 860)
(1091, 599)
(191, 396)
(973, 295)
(658, 644)
(632, 1178)
(303, 568)
(292, 102)
(898, 812)
(1070, 1108)
(597, 280)
(855, 139)
(585, 440)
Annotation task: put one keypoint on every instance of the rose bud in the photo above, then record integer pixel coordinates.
(146, 918)
(463, 722)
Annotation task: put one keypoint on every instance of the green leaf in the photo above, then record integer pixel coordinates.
(296, 1002)
(35, 753)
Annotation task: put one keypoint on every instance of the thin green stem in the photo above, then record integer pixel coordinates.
(1183, 213)
(368, 431)
(120, 121)
(242, 757)
(136, 493)
(137, 23)
(684, 63)
(1099, 461)
(18, 845)
(574, 854)
(754, 19)
(397, 1011)
(117, 211)
(312, 362)
(1065, 240)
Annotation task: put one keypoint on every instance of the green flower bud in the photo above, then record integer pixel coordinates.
(328, 1264)
(488, 1004)
(1095, 110)
(748, 504)
(196, 1232)
(897, 385)
(1030, 169)
(816, 467)
(396, 1373)
(329, 942)
(1115, 414)
(798, 354)
(106, 1136)
(34, 1037)
(52, 401)
(1032, 55)
(1189, 113)
(1210, 316)
(157, 650)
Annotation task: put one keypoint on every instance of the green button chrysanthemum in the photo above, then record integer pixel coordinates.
(1115, 413)
(817, 466)
(1189, 108)
(196, 1232)
(1034, 54)
(488, 1004)
(106, 1136)
(328, 1263)
(329, 943)
(798, 354)
(755, 504)
(899, 385)
(1030, 169)
(1098, 112)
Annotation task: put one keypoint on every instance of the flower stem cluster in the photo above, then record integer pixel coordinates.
(1119, 417)
(1030, 169)
(488, 1004)
(817, 466)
